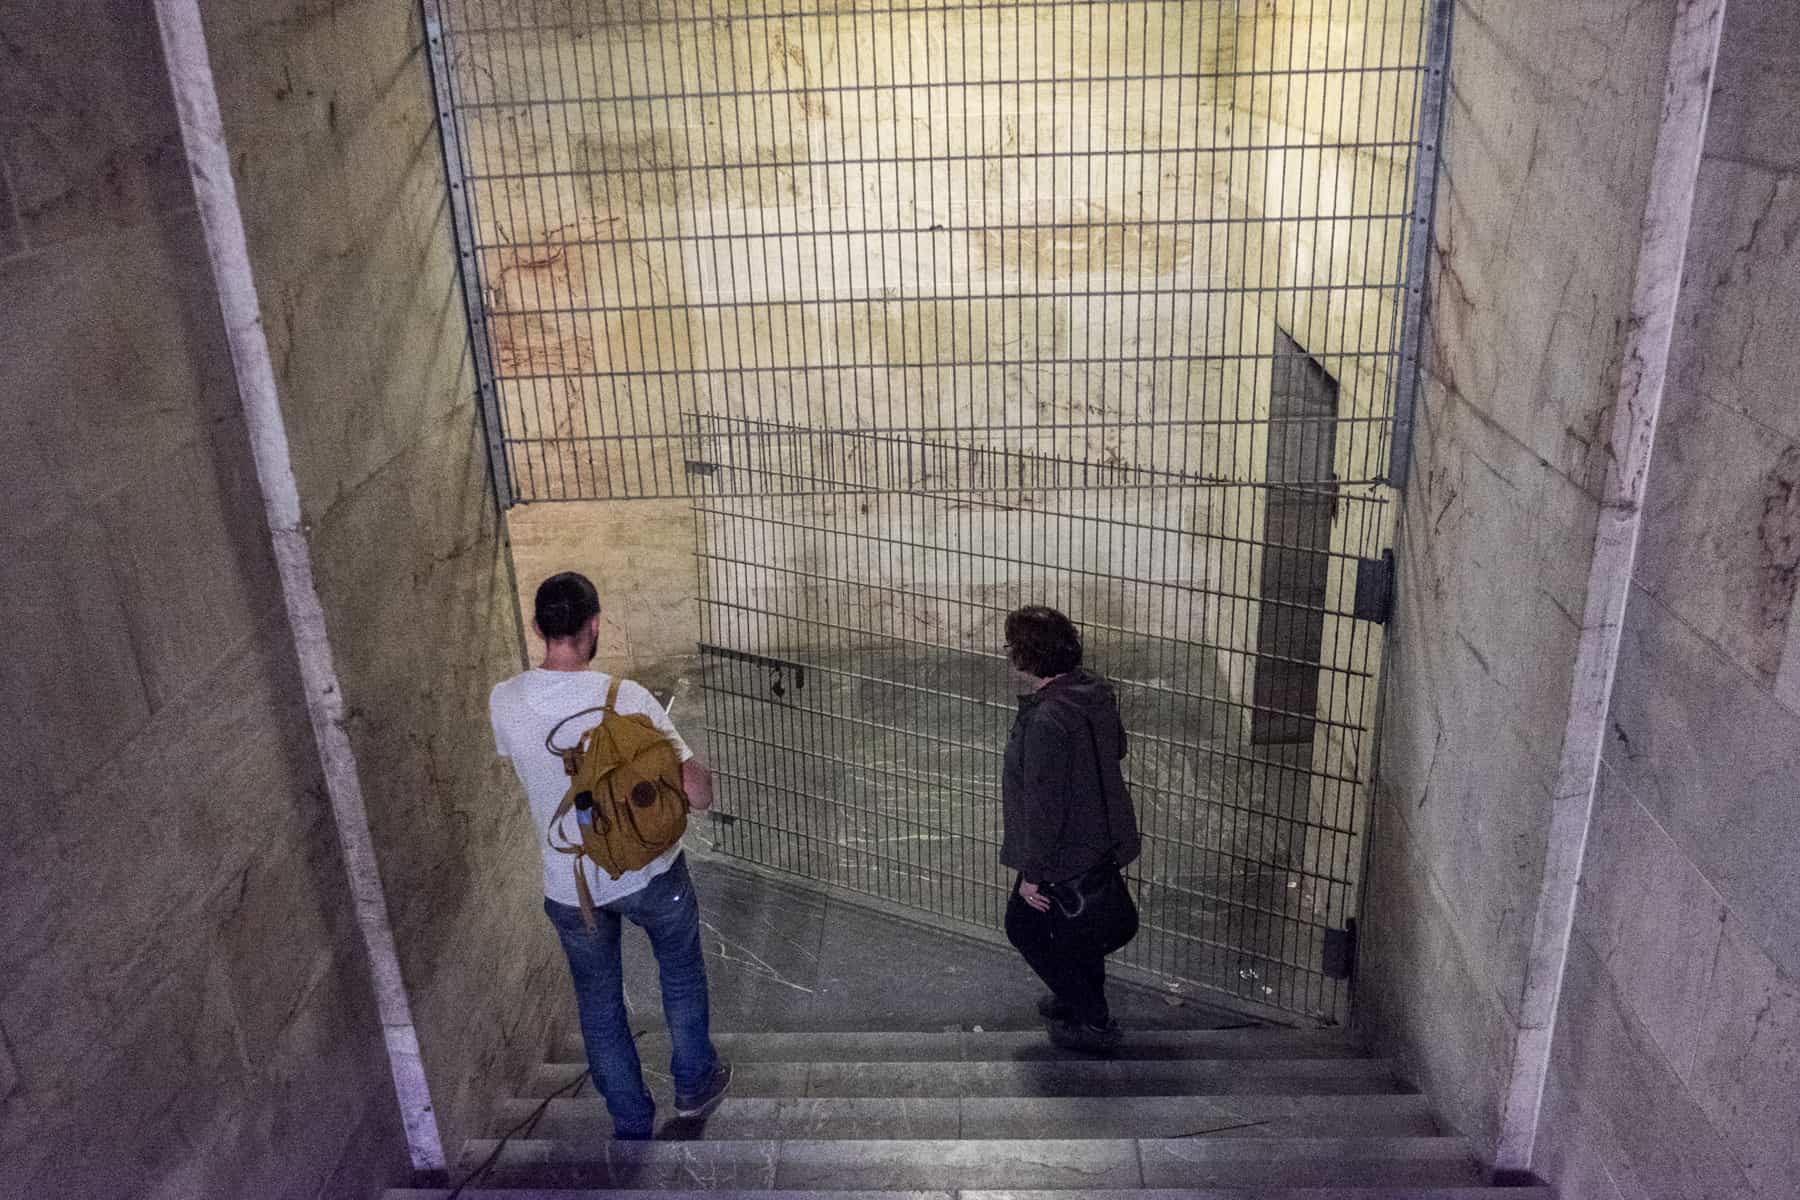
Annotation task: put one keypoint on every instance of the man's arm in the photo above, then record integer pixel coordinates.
(697, 782)
(696, 779)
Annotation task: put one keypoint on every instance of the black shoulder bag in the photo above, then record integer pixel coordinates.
(1099, 894)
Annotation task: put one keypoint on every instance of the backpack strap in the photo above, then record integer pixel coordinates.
(570, 754)
(612, 695)
(585, 896)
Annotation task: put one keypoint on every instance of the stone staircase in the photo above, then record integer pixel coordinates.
(1179, 1115)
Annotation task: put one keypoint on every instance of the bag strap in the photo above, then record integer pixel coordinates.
(565, 752)
(612, 695)
(585, 896)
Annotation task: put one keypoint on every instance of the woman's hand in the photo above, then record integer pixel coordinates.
(1029, 893)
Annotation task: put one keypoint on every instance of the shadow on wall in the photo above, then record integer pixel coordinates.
(303, 1005)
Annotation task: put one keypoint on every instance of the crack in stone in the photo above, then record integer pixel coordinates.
(750, 959)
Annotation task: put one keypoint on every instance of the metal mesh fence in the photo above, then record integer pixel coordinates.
(936, 309)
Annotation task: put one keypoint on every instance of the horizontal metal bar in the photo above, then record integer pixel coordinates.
(921, 644)
(988, 556)
(995, 752)
(755, 660)
(947, 364)
(935, 85)
(1237, 904)
(972, 493)
(968, 298)
(972, 496)
(875, 816)
(852, 13)
(901, 430)
(841, 443)
(1090, 626)
(900, 230)
(1121, 681)
(922, 868)
(902, 160)
(1139, 786)
(787, 788)
(1239, 951)
(928, 869)
(762, 742)
(1149, 637)
(982, 748)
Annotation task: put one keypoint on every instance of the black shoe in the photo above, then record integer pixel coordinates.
(1052, 1009)
(1088, 1039)
(708, 1097)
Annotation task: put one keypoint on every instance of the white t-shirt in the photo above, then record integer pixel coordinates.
(523, 710)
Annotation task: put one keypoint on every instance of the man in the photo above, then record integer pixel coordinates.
(1069, 828)
(659, 898)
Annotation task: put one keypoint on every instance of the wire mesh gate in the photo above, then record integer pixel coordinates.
(936, 309)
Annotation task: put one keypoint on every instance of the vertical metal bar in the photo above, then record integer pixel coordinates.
(651, 357)
(1428, 132)
(468, 267)
(540, 223)
(603, 479)
(1194, 606)
(567, 225)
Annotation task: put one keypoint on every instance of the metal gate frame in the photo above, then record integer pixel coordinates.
(779, 476)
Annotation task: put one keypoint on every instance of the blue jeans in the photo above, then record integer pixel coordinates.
(669, 912)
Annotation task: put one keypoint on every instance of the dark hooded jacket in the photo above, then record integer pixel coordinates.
(1064, 797)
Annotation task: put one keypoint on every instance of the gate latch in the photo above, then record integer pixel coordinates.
(1338, 956)
(1375, 588)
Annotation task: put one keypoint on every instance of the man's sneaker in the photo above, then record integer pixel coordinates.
(1052, 1009)
(1089, 1039)
(708, 1097)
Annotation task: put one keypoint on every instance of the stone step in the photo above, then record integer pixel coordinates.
(582, 1122)
(1034, 1164)
(1219, 1193)
(1041, 1077)
(1258, 1042)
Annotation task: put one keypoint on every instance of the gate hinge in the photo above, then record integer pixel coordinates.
(1375, 588)
(1337, 958)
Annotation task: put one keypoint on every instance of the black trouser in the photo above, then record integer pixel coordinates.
(1069, 956)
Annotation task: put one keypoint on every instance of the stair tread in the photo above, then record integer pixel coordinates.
(952, 1045)
(1044, 1077)
(1122, 1164)
(583, 1122)
(1250, 1192)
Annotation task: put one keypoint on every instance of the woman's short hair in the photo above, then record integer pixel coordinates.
(564, 604)
(1041, 641)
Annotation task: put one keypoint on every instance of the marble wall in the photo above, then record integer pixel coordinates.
(184, 1006)
(1550, 131)
(330, 117)
(1679, 1038)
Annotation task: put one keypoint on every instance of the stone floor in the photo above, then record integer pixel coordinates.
(783, 958)
(878, 772)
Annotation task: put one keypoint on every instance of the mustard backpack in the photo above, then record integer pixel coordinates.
(625, 789)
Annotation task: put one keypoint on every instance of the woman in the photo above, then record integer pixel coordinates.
(1070, 828)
